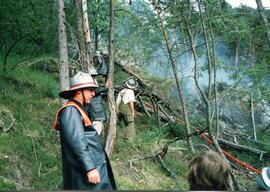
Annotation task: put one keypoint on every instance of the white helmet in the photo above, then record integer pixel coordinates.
(78, 81)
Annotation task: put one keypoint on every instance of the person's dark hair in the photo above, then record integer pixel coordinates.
(208, 171)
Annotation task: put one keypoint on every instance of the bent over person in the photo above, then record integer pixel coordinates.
(85, 163)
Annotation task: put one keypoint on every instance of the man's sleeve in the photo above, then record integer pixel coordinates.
(118, 100)
(101, 91)
(72, 131)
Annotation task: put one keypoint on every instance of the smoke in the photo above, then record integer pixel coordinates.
(159, 65)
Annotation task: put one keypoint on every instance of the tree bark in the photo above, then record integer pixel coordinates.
(236, 59)
(79, 28)
(213, 57)
(209, 68)
(111, 99)
(143, 106)
(242, 147)
(63, 52)
(252, 117)
(87, 38)
(97, 33)
(265, 20)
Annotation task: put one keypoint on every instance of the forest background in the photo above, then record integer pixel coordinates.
(208, 62)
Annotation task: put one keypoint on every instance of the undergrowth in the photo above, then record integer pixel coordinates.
(30, 156)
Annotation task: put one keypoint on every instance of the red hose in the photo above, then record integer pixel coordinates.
(211, 143)
(230, 156)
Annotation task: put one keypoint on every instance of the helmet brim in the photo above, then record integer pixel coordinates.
(67, 94)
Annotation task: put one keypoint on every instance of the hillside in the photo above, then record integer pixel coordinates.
(30, 156)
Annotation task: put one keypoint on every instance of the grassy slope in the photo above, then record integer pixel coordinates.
(29, 152)
(30, 155)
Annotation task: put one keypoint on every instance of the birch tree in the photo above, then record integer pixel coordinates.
(111, 99)
(176, 76)
(79, 29)
(63, 51)
(87, 38)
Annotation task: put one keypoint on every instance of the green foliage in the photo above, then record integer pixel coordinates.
(38, 20)
(40, 82)
(30, 151)
(147, 174)
(5, 184)
(176, 129)
(30, 148)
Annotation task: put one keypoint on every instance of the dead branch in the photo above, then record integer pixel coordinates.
(143, 106)
(243, 148)
(39, 169)
(161, 152)
(126, 69)
(164, 112)
(144, 84)
(238, 135)
(7, 112)
(202, 146)
(172, 174)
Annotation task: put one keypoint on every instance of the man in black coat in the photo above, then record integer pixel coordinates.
(96, 109)
(85, 163)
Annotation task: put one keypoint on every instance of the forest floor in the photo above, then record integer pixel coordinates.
(30, 156)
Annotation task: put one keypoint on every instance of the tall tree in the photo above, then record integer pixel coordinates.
(79, 29)
(265, 20)
(111, 99)
(63, 51)
(172, 61)
(87, 37)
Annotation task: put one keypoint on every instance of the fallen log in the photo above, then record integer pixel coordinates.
(244, 148)
(143, 106)
(130, 72)
(146, 85)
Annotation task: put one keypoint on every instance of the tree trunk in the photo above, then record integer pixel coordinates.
(213, 57)
(80, 38)
(179, 87)
(96, 31)
(204, 96)
(252, 118)
(63, 52)
(265, 20)
(209, 68)
(236, 59)
(97, 36)
(111, 100)
(87, 38)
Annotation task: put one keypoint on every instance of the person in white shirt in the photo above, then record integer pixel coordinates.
(125, 107)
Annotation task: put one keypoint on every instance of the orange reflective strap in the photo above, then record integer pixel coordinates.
(86, 119)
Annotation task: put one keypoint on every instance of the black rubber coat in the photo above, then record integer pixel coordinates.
(82, 151)
(96, 109)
